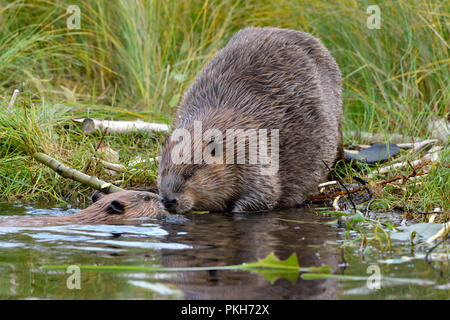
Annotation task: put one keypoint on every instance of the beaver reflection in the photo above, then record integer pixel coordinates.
(235, 239)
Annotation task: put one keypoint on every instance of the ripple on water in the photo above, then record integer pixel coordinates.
(88, 237)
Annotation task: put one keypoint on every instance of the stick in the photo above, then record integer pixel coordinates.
(417, 145)
(11, 102)
(90, 125)
(342, 184)
(326, 196)
(374, 138)
(442, 233)
(73, 174)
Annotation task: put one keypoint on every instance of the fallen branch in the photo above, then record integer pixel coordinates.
(378, 138)
(342, 184)
(119, 168)
(432, 155)
(89, 125)
(326, 196)
(73, 174)
(326, 184)
(417, 145)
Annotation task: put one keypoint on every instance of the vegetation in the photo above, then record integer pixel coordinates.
(134, 59)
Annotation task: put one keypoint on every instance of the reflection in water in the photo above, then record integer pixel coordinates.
(229, 240)
(204, 240)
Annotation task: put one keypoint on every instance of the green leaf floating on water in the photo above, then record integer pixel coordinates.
(421, 231)
(273, 268)
(198, 212)
(270, 267)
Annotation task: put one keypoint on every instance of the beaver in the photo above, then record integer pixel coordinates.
(265, 79)
(106, 209)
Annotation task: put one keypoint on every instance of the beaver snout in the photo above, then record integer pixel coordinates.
(170, 203)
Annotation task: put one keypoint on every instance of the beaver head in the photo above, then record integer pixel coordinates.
(126, 204)
(108, 209)
(209, 184)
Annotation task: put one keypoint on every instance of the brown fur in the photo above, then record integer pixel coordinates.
(263, 78)
(108, 209)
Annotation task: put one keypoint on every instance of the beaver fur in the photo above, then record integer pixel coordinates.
(264, 78)
(106, 209)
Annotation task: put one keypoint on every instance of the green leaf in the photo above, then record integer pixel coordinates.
(198, 212)
(270, 267)
(420, 230)
(272, 262)
(273, 268)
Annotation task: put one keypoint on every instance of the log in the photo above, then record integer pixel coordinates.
(417, 146)
(89, 125)
(73, 174)
(380, 138)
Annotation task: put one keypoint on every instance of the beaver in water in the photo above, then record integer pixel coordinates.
(106, 209)
(264, 79)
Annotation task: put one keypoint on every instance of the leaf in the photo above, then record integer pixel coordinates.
(198, 212)
(421, 230)
(334, 213)
(273, 268)
(270, 267)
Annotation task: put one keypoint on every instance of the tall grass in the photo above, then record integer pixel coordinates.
(138, 57)
(143, 54)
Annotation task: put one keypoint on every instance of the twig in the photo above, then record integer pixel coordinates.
(342, 184)
(118, 168)
(332, 195)
(368, 207)
(417, 145)
(11, 102)
(328, 183)
(442, 233)
(96, 149)
(431, 212)
(73, 174)
(90, 125)
(374, 138)
(363, 182)
(434, 247)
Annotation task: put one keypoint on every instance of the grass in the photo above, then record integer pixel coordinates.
(134, 59)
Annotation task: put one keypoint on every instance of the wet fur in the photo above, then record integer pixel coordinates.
(107, 209)
(263, 78)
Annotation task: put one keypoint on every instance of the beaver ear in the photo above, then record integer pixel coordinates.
(116, 207)
(97, 195)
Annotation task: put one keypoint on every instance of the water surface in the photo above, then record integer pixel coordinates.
(209, 240)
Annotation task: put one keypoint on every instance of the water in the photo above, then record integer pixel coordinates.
(210, 240)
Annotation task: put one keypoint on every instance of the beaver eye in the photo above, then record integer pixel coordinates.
(189, 175)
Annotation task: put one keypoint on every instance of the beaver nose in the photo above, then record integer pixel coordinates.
(169, 204)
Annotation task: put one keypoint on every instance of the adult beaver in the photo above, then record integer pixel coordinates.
(106, 209)
(263, 80)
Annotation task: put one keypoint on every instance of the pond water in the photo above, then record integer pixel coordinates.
(210, 240)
